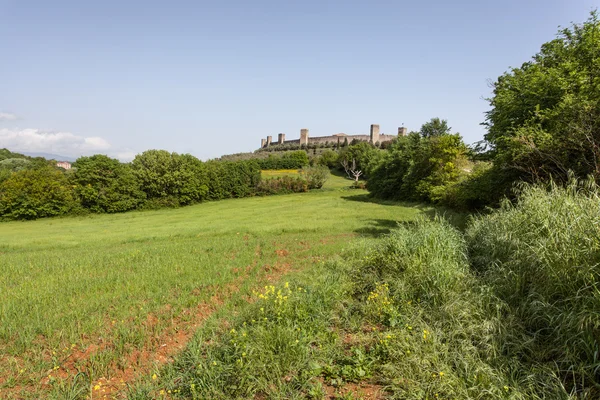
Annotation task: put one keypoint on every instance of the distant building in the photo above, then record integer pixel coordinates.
(374, 137)
(63, 164)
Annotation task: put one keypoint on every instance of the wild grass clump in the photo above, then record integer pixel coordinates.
(434, 336)
(267, 351)
(542, 257)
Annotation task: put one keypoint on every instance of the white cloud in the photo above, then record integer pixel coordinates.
(126, 156)
(62, 143)
(5, 116)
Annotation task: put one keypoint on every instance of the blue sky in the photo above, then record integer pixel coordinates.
(213, 78)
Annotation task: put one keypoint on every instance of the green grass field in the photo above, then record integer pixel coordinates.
(106, 294)
(266, 174)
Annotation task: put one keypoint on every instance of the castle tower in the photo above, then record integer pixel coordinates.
(303, 136)
(374, 133)
(402, 131)
(263, 142)
(269, 138)
(281, 138)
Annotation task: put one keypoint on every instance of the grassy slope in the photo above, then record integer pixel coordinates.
(69, 283)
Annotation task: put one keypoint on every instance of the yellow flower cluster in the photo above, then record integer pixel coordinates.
(380, 299)
(278, 296)
(385, 339)
(426, 333)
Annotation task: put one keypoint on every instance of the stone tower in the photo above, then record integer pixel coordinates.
(281, 138)
(263, 142)
(269, 138)
(374, 133)
(303, 136)
(402, 131)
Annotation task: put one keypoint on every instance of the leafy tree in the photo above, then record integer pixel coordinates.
(295, 159)
(418, 167)
(165, 175)
(387, 177)
(363, 154)
(103, 184)
(328, 158)
(36, 193)
(437, 163)
(435, 127)
(545, 115)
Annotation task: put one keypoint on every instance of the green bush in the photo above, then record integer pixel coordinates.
(227, 179)
(485, 186)
(329, 159)
(104, 185)
(164, 174)
(37, 193)
(282, 184)
(315, 176)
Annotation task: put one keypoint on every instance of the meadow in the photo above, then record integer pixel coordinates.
(506, 308)
(101, 299)
(321, 295)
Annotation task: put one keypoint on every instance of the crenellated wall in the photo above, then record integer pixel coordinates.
(373, 137)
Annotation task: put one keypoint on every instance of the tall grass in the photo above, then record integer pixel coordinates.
(507, 311)
(542, 257)
(122, 282)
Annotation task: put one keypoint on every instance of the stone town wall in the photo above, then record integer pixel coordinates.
(373, 137)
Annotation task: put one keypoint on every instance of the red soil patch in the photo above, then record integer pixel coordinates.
(282, 253)
(162, 349)
(361, 390)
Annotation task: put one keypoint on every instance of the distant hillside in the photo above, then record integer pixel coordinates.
(50, 156)
(6, 154)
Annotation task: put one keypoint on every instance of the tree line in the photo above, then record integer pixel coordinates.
(543, 125)
(33, 188)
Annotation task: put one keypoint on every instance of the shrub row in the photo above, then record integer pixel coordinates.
(288, 160)
(99, 184)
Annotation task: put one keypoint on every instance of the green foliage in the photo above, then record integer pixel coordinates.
(419, 168)
(485, 186)
(225, 179)
(15, 164)
(282, 184)
(7, 154)
(364, 153)
(288, 160)
(329, 159)
(170, 175)
(103, 184)
(315, 176)
(545, 116)
(438, 162)
(37, 193)
(435, 127)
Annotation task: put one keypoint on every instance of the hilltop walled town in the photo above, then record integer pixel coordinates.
(373, 137)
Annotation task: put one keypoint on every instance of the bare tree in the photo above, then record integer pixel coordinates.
(351, 170)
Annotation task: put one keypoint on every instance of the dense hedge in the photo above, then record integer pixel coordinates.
(227, 179)
(288, 160)
(37, 193)
(31, 188)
